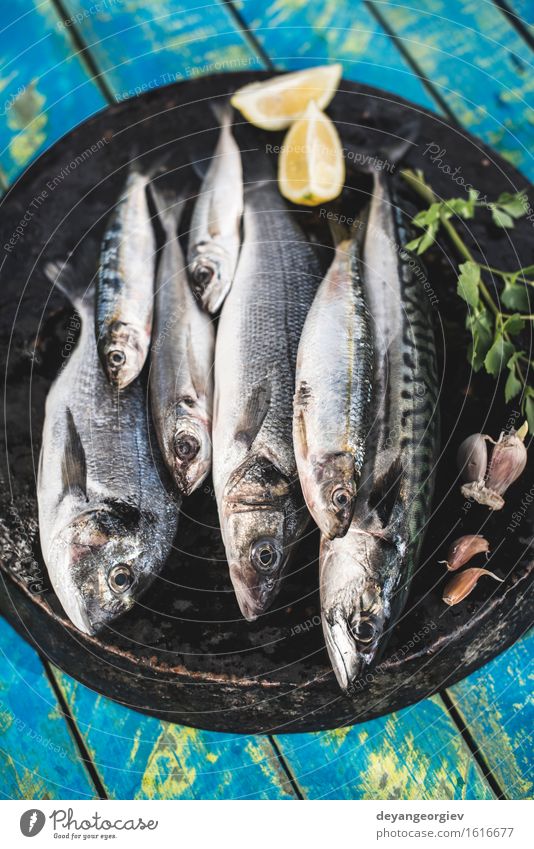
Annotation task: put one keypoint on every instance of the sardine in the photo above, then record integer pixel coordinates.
(125, 289)
(107, 516)
(365, 576)
(181, 369)
(333, 392)
(260, 503)
(215, 234)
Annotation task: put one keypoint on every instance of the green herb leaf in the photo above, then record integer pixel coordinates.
(500, 217)
(514, 295)
(499, 354)
(529, 411)
(513, 325)
(480, 323)
(515, 205)
(464, 207)
(468, 282)
(513, 385)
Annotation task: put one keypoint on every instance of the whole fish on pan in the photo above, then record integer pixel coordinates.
(125, 288)
(181, 369)
(334, 383)
(215, 233)
(107, 517)
(261, 509)
(365, 576)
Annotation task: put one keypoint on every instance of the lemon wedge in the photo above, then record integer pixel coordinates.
(276, 103)
(311, 168)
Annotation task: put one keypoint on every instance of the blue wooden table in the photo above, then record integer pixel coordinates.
(469, 60)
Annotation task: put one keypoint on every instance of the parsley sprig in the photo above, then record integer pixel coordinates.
(494, 333)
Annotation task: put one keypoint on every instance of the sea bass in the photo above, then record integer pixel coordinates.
(215, 234)
(107, 517)
(181, 370)
(260, 503)
(365, 576)
(333, 392)
(125, 288)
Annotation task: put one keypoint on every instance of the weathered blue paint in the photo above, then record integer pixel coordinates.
(38, 757)
(138, 757)
(296, 34)
(45, 89)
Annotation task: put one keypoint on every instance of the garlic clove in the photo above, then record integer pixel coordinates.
(462, 584)
(464, 549)
(472, 458)
(507, 463)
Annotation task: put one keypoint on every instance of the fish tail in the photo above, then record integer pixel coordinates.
(378, 153)
(75, 275)
(169, 207)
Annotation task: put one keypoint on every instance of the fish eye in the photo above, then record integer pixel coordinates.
(116, 358)
(120, 578)
(203, 274)
(341, 497)
(363, 631)
(265, 555)
(186, 446)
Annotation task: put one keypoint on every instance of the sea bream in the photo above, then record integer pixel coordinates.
(107, 515)
(181, 366)
(333, 391)
(365, 576)
(125, 288)
(215, 232)
(261, 509)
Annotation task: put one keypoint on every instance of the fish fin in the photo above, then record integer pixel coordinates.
(75, 274)
(254, 415)
(73, 462)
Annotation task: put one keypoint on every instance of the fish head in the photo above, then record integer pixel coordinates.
(189, 448)
(355, 602)
(332, 494)
(210, 274)
(123, 352)
(99, 564)
(260, 524)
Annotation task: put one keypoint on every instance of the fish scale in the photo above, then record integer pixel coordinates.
(254, 467)
(334, 384)
(103, 496)
(365, 576)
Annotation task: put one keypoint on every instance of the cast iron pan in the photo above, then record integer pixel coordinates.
(186, 655)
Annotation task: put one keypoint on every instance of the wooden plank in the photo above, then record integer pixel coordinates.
(139, 757)
(45, 89)
(296, 34)
(524, 10)
(140, 46)
(497, 706)
(479, 63)
(38, 757)
(416, 753)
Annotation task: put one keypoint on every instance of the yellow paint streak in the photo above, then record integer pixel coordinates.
(264, 758)
(168, 773)
(28, 121)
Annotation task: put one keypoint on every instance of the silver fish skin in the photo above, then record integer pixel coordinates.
(215, 234)
(125, 288)
(260, 503)
(334, 383)
(365, 576)
(181, 370)
(107, 518)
